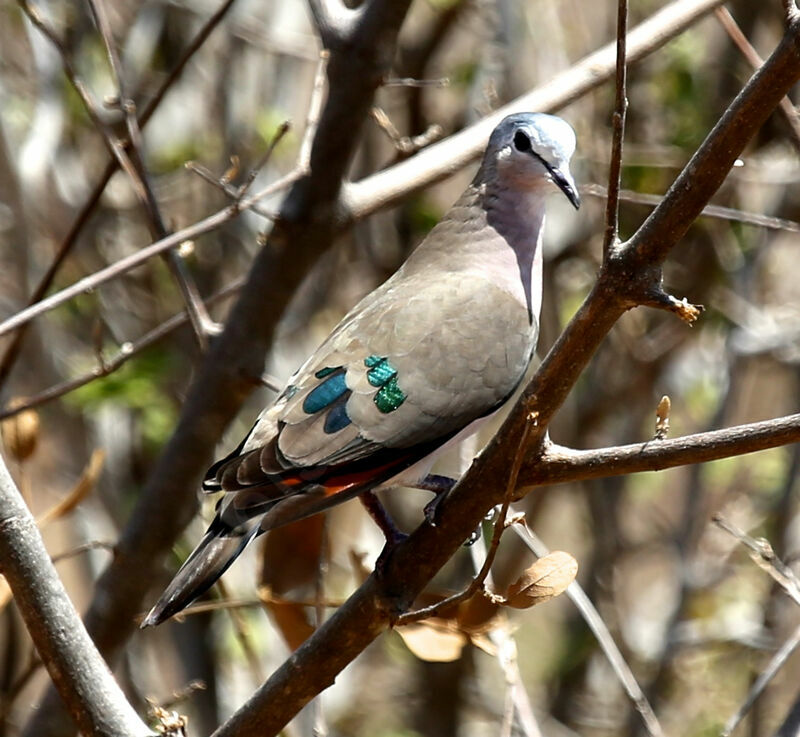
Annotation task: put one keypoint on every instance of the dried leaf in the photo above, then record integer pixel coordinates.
(433, 641)
(79, 492)
(546, 578)
(477, 614)
(289, 617)
(20, 433)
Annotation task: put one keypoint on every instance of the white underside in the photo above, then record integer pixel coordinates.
(414, 474)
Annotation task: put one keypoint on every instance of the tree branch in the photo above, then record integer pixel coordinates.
(557, 464)
(335, 22)
(618, 133)
(86, 685)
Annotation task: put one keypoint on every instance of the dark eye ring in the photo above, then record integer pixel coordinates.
(522, 142)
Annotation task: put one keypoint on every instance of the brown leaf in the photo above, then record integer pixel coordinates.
(20, 433)
(476, 615)
(546, 578)
(79, 492)
(289, 617)
(433, 641)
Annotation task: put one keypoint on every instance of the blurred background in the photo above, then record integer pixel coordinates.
(695, 619)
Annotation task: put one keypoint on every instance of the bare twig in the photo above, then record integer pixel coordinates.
(95, 701)
(775, 664)
(618, 133)
(557, 463)
(596, 624)
(710, 211)
(66, 245)
(123, 355)
(223, 183)
(764, 556)
(500, 525)
(314, 110)
(405, 145)
(202, 324)
(87, 284)
(517, 701)
(144, 193)
(732, 29)
(212, 222)
(411, 82)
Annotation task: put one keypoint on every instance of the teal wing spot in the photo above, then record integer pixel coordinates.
(381, 372)
(323, 372)
(326, 393)
(389, 397)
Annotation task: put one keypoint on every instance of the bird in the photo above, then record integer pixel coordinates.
(417, 365)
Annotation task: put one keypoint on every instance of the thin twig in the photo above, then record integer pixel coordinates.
(516, 701)
(618, 133)
(775, 664)
(499, 528)
(711, 211)
(126, 351)
(596, 624)
(66, 245)
(764, 556)
(202, 324)
(91, 282)
(314, 110)
(785, 106)
(212, 222)
(282, 130)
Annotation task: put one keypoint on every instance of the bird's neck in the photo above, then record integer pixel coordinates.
(517, 217)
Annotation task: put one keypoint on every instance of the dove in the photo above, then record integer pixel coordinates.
(417, 365)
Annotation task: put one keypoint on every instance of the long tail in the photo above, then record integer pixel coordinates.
(220, 546)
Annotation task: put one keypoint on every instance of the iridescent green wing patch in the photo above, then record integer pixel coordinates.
(382, 374)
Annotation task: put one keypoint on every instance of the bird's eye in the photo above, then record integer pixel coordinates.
(522, 142)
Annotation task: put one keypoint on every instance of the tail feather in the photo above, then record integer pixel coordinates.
(219, 547)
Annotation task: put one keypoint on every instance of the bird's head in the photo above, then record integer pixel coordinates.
(527, 150)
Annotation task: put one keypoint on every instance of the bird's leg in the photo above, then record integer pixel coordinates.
(389, 529)
(382, 518)
(439, 485)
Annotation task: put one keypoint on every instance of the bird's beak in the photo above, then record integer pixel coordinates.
(564, 181)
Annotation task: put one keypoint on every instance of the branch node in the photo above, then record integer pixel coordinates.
(685, 310)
